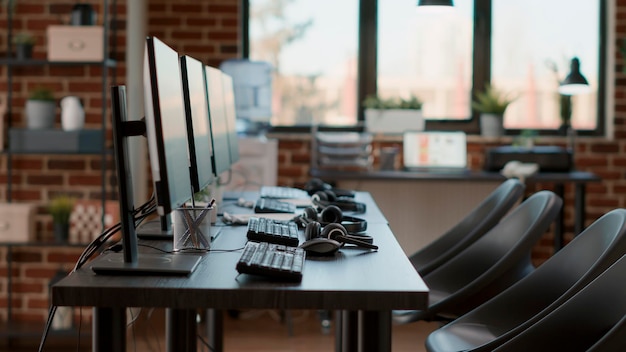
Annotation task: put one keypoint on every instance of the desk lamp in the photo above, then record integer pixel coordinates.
(574, 83)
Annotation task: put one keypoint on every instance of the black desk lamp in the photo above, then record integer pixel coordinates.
(574, 83)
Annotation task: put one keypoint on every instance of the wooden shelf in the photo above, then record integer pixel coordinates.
(34, 62)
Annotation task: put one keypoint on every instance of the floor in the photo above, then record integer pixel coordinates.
(258, 330)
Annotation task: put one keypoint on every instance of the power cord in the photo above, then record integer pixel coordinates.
(139, 215)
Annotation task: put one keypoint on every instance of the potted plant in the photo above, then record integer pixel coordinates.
(40, 109)
(60, 208)
(393, 115)
(491, 104)
(24, 43)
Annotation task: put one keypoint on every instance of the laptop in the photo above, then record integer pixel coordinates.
(435, 151)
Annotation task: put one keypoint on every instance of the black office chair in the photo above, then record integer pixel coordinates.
(495, 261)
(474, 225)
(552, 283)
(614, 340)
(581, 321)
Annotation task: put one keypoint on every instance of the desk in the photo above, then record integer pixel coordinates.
(372, 283)
(578, 178)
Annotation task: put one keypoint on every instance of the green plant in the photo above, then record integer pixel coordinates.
(24, 38)
(41, 93)
(491, 101)
(60, 208)
(375, 102)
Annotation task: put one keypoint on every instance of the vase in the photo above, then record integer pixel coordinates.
(40, 114)
(61, 231)
(491, 125)
(23, 51)
(72, 114)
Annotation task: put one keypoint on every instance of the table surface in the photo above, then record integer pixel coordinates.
(353, 279)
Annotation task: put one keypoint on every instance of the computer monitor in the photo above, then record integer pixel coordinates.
(231, 118)
(198, 126)
(219, 124)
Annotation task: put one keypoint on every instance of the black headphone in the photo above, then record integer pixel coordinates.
(332, 214)
(324, 199)
(315, 184)
(337, 233)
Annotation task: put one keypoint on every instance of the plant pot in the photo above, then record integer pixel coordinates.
(491, 125)
(393, 121)
(61, 231)
(23, 51)
(40, 114)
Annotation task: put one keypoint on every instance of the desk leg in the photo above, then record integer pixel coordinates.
(346, 331)
(579, 208)
(181, 332)
(559, 189)
(109, 329)
(375, 331)
(215, 329)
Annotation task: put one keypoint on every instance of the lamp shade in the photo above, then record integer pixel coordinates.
(575, 82)
(435, 3)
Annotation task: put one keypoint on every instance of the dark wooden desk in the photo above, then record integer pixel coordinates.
(372, 283)
(578, 178)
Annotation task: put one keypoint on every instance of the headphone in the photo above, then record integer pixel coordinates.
(336, 233)
(315, 184)
(329, 215)
(327, 198)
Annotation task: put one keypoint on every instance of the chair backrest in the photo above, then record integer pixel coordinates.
(614, 340)
(493, 262)
(547, 287)
(582, 320)
(474, 225)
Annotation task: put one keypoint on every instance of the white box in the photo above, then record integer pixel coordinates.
(17, 222)
(75, 43)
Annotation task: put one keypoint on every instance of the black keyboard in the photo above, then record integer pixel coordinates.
(269, 205)
(272, 260)
(278, 192)
(273, 231)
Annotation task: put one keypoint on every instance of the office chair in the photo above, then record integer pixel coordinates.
(474, 225)
(582, 320)
(486, 267)
(614, 340)
(552, 283)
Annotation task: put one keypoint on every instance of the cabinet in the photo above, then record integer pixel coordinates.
(96, 76)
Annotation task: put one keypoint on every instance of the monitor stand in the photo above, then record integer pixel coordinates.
(146, 264)
(153, 230)
(130, 261)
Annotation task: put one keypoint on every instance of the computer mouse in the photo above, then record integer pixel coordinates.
(320, 246)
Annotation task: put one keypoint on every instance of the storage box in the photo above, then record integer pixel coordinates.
(75, 43)
(393, 121)
(55, 141)
(17, 222)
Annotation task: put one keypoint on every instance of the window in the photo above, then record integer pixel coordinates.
(312, 46)
(521, 47)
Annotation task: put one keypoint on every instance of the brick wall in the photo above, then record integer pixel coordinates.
(207, 30)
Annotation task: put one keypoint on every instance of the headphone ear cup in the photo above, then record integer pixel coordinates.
(330, 195)
(312, 230)
(321, 196)
(331, 214)
(310, 214)
(334, 231)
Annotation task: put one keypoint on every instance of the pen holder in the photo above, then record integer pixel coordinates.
(192, 228)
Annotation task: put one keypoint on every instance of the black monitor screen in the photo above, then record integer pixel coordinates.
(231, 118)
(198, 127)
(219, 126)
(166, 126)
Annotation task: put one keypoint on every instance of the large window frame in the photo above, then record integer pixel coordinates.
(481, 66)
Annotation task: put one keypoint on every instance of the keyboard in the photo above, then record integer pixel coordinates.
(272, 260)
(269, 205)
(278, 192)
(273, 231)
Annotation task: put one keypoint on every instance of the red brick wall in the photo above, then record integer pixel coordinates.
(207, 30)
